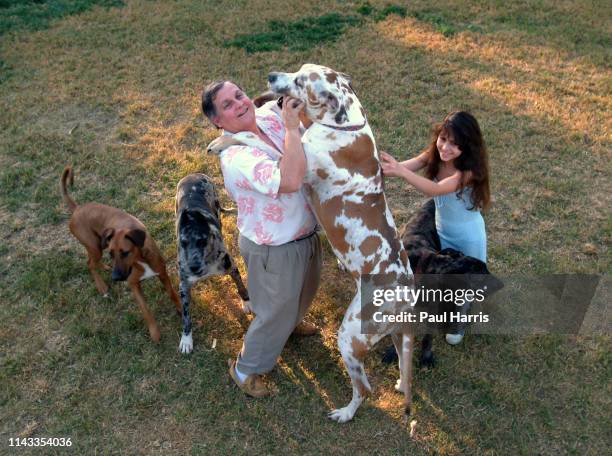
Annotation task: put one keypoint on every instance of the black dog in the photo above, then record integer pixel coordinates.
(201, 252)
(422, 243)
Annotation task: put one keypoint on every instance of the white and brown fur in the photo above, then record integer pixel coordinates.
(345, 189)
(133, 251)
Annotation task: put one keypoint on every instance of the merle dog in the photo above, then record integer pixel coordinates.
(422, 243)
(201, 252)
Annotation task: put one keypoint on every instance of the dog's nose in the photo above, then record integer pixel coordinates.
(272, 77)
(118, 276)
(195, 268)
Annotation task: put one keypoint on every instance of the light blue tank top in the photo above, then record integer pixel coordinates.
(459, 227)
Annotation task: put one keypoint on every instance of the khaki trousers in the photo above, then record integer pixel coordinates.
(282, 282)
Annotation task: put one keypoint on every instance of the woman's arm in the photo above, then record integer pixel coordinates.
(391, 167)
(415, 163)
(447, 185)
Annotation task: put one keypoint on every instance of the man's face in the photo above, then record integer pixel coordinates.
(235, 110)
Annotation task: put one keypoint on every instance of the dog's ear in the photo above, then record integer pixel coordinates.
(137, 237)
(349, 81)
(106, 237)
(265, 97)
(348, 78)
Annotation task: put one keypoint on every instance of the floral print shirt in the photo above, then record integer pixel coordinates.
(251, 175)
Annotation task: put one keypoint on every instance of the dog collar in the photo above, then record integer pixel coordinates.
(349, 128)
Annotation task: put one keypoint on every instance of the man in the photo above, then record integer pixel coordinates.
(263, 174)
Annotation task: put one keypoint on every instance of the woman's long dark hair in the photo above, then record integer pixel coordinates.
(462, 128)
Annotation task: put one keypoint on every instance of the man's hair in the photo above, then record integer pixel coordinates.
(208, 96)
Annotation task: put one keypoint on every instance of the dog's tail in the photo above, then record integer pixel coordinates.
(67, 177)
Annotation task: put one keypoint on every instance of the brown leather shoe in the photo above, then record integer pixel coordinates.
(253, 384)
(305, 329)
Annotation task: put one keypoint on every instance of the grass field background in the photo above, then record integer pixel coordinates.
(113, 87)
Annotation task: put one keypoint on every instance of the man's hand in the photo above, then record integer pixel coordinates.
(293, 162)
(291, 113)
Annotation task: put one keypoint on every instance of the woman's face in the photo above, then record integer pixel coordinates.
(447, 149)
(235, 111)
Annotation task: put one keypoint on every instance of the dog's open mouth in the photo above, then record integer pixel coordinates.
(280, 101)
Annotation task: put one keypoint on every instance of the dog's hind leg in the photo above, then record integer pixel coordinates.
(354, 346)
(404, 345)
(406, 371)
(397, 343)
(165, 280)
(93, 262)
(134, 284)
(186, 343)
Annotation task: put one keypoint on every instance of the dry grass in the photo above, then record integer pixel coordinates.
(115, 92)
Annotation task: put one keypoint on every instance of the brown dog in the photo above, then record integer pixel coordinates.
(133, 252)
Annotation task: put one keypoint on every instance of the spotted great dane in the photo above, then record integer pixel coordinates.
(201, 252)
(344, 186)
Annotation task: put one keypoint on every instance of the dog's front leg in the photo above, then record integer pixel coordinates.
(134, 284)
(186, 343)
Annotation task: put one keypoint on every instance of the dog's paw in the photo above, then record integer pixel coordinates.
(427, 360)
(342, 415)
(186, 344)
(398, 386)
(246, 307)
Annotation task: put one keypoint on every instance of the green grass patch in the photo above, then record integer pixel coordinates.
(37, 14)
(5, 71)
(299, 35)
(309, 32)
(444, 22)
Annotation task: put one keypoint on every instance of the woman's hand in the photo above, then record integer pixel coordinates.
(390, 166)
(291, 113)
